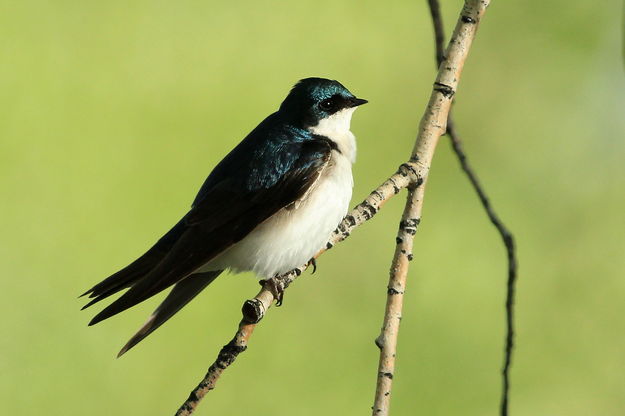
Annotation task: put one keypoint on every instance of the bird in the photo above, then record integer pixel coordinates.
(268, 207)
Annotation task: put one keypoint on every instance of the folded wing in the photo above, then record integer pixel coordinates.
(225, 215)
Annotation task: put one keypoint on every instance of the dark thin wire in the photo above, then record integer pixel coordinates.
(508, 241)
(505, 234)
(439, 31)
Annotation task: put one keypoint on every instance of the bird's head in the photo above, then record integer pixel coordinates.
(314, 99)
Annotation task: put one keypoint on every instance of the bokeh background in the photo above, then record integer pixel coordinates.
(112, 114)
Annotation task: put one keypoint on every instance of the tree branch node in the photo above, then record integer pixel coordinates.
(413, 171)
(446, 90)
(468, 19)
(253, 311)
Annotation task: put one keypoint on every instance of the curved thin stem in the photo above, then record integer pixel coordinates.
(506, 235)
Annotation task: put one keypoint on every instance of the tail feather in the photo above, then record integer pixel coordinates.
(182, 293)
(135, 271)
(191, 251)
(124, 278)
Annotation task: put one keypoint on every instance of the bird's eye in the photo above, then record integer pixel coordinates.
(326, 105)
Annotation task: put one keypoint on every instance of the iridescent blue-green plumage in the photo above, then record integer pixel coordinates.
(262, 158)
(270, 169)
(270, 150)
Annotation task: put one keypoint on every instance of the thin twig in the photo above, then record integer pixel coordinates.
(387, 340)
(506, 235)
(432, 126)
(439, 31)
(508, 241)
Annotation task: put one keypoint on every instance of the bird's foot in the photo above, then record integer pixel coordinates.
(312, 262)
(276, 288)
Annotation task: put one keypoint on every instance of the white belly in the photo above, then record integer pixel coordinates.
(293, 236)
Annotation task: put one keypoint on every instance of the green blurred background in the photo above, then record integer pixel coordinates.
(112, 114)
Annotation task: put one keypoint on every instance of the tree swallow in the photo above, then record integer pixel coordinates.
(268, 207)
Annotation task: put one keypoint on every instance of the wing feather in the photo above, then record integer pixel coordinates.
(182, 293)
(224, 216)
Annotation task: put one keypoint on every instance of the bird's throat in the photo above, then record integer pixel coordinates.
(336, 128)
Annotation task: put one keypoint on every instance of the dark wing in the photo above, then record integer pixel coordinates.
(224, 216)
(182, 293)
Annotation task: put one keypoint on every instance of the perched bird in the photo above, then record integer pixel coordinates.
(269, 206)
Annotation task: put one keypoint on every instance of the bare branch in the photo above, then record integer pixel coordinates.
(387, 340)
(505, 234)
(432, 126)
(227, 355)
(508, 241)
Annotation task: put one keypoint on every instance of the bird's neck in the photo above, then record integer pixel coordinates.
(336, 128)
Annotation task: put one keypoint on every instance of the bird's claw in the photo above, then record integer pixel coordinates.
(312, 262)
(276, 289)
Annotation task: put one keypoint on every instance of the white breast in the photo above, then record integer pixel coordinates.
(336, 127)
(293, 236)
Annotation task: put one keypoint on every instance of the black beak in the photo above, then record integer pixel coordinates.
(355, 102)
